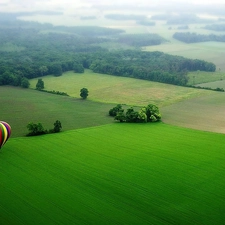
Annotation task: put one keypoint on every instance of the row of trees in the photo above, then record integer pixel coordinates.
(38, 129)
(149, 113)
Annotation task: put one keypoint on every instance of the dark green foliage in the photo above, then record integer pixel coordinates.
(113, 112)
(55, 92)
(38, 129)
(40, 84)
(25, 82)
(54, 53)
(78, 68)
(84, 93)
(150, 113)
(35, 129)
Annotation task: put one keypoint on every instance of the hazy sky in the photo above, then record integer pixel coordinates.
(33, 5)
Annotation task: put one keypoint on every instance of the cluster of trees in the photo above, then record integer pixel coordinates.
(188, 37)
(149, 113)
(38, 129)
(154, 66)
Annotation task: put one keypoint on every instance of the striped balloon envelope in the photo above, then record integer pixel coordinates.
(5, 131)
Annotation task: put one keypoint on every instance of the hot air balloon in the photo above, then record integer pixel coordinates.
(5, 131)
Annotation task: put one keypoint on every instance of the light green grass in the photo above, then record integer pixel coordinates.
(199, 77)
(114, 89)
(22, 106)
(114, 174)
(215, 84)
(208, 51)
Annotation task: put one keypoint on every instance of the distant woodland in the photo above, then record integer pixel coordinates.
(188, 37)
(30, 50)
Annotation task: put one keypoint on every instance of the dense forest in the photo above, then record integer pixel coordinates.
(188, 37)
(33, 52)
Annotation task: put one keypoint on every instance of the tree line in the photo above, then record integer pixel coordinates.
(39, 54)
(188, 37)
(149, 113)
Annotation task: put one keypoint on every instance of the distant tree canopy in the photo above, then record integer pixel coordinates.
(188, 37)
(139, 40)
(27, 53)
(215, 27)
(150, 113)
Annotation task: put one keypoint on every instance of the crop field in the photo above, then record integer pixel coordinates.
(204, 113)
(22, 106)
(123, 90)
(114, 174)
(201, 77)
(215, 84)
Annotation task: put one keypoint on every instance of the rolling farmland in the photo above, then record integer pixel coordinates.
(103, 175)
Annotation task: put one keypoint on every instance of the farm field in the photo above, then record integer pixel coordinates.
(201, 77)
(214, 84)
(103, 175)
(22, 106)
(123, 90)
(204, 113)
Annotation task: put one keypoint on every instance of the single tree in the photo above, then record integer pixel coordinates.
(57, 126)
(25, 82)
(40, 84)
(84, 93)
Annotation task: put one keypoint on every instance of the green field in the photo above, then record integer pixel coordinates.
(201, 77)
(113, 89)
(114, 174)
(22, 106)
(208, 51)
(215, 84)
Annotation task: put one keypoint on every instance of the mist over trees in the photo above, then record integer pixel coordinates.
(28, 53)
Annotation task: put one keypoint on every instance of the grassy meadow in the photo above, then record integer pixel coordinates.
(123, 90)
(203, 113)
(22, 106)
(103, 175)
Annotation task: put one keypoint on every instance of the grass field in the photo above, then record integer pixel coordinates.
(113, 89)
(204, 113)
(208, 51)
(22, 106)
(114, 174)
(215, 84)
(201, 77)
